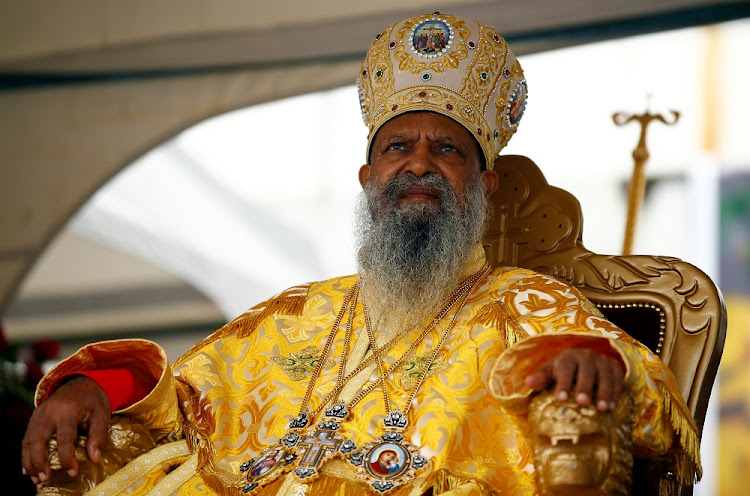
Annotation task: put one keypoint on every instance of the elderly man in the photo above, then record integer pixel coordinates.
(304, 391)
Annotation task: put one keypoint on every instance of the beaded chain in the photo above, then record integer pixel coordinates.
(350, 302)
(462, 292)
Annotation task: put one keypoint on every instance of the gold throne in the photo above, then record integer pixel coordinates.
(667, 304)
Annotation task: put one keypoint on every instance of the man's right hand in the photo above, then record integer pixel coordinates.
(80, 402)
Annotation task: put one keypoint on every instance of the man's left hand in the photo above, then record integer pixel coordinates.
(585, 373)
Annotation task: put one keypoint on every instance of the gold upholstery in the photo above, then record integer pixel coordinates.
(667, 304)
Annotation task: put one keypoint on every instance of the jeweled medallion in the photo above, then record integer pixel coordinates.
(517, 104)
(272, 462)
(388, 462)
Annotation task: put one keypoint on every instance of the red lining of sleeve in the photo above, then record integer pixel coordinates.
(120, 385)
(605, 349)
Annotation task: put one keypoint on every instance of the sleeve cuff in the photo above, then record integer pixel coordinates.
(120, 385)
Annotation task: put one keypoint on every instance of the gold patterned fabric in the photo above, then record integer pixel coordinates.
(232, 395)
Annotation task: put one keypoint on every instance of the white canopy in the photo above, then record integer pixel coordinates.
(88, 86)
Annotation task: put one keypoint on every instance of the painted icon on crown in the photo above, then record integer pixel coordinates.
(517, 104)
(431, 37)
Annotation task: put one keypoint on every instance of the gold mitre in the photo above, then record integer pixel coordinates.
(441, 63)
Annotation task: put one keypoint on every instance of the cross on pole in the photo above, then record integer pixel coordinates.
(637, 187)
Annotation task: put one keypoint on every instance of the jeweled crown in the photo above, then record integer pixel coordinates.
(448, 65)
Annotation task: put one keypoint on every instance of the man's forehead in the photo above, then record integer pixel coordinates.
(434, 125)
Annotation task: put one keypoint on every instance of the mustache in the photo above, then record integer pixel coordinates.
(432, 184)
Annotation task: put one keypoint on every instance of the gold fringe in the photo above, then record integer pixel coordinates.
(494, 314)
(685, 463)
(668, 487)
(289, 302)
(335, 486)
(441, 481)
(229, 488)
(198, 444)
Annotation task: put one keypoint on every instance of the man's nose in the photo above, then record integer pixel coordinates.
(420, 162)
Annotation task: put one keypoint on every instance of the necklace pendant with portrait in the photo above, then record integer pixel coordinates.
(389, 461)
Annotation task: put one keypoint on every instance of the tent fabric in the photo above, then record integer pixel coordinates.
(87, 86)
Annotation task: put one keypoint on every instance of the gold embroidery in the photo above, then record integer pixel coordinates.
(300, 365)
(411, 370)
(436, 100)
(484, 71)
(142, 465)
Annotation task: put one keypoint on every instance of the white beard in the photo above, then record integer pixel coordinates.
(412, 257)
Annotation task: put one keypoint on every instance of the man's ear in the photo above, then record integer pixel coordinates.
(364, 174)
(490, 179)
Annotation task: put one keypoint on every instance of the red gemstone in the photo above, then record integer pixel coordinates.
(479, 131)
(422, 93)
(364, 73)
(392, 44)
(377, 37)
(506, 72)
(394, 107)
(449, 106)
(495, 37)
(472, 44)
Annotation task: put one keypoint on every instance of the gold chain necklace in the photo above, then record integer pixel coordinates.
(306, 451)
(391, 461)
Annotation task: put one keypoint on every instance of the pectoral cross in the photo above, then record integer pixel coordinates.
(314, 448)
(638, 181)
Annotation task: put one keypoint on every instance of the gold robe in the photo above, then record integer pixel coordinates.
(235, 392)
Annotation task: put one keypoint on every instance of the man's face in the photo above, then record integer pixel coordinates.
(422, 143)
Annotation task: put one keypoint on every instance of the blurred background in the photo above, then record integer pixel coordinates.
(164, 166)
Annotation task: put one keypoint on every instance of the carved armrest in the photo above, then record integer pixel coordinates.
(579, 450)
(126, 441)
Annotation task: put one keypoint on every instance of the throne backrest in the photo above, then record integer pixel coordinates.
(669, 305)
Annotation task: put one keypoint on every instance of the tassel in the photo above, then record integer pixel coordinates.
(494, 315)
(443, 481)
(290, 302)
(668, 487)
(227, 484)
(686, 463)
(198, 443)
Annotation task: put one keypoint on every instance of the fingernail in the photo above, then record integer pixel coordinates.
(562, 396)
(582, 398)
(602, 405)
(97, 454)
(23, 470)
(71, 472)
(34, 480)
(42, 476)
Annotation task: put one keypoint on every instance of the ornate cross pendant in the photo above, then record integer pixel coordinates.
(315, 446)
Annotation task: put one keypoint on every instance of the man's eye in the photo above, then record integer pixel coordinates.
(395, 146)
(447, 148)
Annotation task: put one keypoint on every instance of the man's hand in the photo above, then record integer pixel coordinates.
(78, 402)
(583, 372)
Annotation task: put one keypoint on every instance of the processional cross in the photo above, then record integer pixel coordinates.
(638, 180)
